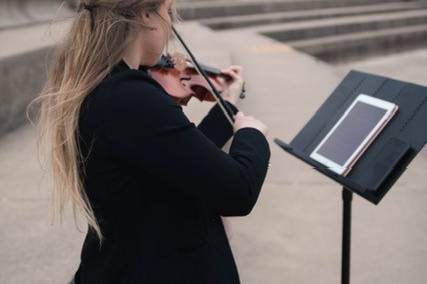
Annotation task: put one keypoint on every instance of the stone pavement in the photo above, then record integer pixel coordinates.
(293, 234)
(408, 66)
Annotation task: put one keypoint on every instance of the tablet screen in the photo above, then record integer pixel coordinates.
(351, 132)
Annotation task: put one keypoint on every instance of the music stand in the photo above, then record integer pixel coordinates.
(387, 157)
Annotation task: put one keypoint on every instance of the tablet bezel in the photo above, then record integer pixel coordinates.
(343, 169)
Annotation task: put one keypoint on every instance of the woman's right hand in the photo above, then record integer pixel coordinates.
(242, 121)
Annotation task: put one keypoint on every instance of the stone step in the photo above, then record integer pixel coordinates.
(220, 8)
(18, 13)
(349, 47)
(24, 53)
(336, 26)
(222, 23)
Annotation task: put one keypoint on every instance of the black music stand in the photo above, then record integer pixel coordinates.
(387, 157)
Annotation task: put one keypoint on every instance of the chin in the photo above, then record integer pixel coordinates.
(154, 61)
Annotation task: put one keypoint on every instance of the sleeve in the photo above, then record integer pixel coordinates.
(216, 126)
(149, 132)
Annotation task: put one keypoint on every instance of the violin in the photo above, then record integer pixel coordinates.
(184, 80)
(180, 79)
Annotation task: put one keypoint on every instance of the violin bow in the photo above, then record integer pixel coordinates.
(228, 112)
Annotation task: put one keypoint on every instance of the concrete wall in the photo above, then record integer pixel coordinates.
(21, 78)
(28, 32)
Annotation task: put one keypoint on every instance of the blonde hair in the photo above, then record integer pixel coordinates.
(94, 44)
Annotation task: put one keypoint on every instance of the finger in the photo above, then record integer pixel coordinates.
(232, 74)
(227, 70)
(233, 69)
(239, 114)
(237, 69)
(221, 80)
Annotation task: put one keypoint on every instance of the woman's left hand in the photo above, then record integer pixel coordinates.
(234, 89)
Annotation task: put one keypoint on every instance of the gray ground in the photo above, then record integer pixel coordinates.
(294, 233)
(407, 66)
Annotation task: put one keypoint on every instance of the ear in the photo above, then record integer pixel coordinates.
(148, 20)
(146, 17)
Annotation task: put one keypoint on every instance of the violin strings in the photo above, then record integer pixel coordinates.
(228, 112)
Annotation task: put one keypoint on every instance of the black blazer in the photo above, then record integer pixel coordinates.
(158, 185)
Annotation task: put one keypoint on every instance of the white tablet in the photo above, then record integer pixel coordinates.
(353, 133)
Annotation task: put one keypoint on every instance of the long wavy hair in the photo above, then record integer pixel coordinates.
(94, 44)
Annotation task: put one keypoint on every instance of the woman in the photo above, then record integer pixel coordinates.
(151, 184)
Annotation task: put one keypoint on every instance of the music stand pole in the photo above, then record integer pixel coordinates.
(347, 197)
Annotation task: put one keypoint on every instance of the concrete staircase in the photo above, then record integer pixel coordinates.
(222, 23)
(334, 31)
(199, 10)
(20, 13)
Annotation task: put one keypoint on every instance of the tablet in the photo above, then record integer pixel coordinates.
(344, 144)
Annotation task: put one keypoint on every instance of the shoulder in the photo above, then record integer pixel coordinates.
(132, 85)
(132, 91)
